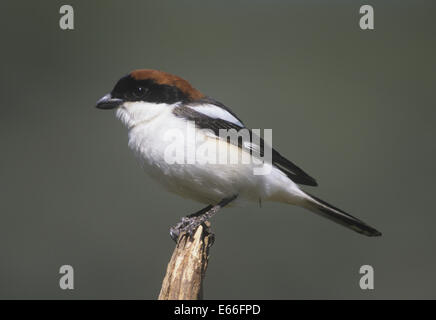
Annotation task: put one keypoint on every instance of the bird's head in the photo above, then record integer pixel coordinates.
(135, 94)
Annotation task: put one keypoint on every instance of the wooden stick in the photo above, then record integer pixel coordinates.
(187, 267)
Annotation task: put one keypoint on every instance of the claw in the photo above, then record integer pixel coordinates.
(211, 240)
(174, 234)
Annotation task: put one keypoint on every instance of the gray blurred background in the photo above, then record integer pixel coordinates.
(355, 109)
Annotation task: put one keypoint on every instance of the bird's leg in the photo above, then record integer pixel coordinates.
(190, 223)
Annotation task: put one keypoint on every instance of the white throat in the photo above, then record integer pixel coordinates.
(132, 114)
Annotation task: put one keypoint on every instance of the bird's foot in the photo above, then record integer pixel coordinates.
(187, 225)
(190, 223)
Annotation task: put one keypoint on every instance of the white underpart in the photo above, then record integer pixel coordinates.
(216, 112)
(208, 183)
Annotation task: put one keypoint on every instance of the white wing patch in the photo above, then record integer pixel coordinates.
(216, 112)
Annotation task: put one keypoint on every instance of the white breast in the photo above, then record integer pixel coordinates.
(151, 129)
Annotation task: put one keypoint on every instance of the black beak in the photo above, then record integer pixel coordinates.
(107, 102)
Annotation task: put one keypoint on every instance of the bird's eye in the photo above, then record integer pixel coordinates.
(139, 92)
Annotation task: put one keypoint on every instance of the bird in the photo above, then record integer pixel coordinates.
(159, 108)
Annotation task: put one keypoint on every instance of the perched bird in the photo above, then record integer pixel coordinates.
(155, 104)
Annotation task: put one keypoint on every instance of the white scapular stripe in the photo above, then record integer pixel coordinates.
(216, 112)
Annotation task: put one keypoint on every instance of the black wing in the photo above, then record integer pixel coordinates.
(203, 121)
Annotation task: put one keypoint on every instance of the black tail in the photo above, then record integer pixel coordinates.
(337, 215)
